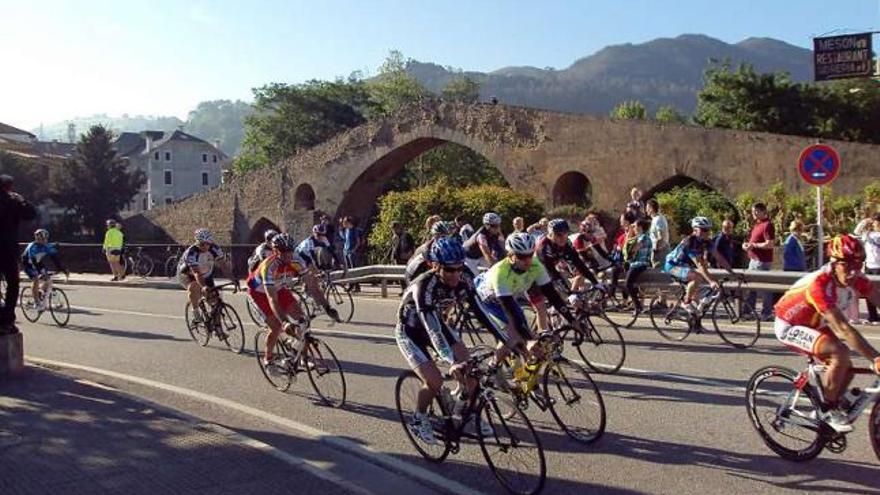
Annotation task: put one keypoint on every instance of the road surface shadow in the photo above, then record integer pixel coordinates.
(130, 334)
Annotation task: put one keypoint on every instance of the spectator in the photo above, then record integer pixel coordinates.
(627, 233)
(114, 241)
(636, 206)
(793, 257)
(638, 260)
(13, 209)
(539, 229)
(592, 227)
(872, 260)
(465, 230)
(402, 245)
(760, 250)
(429, 222)
(864, 225)
(352, 246)
(519, 225)
(724, 245)
(659, 233)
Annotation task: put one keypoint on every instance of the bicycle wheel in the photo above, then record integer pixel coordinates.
(513, 452)
(59, 307)
(672, 323)
(255, 313)
(735, 322)
(325, 372)
(28, 305)
(575, 401)
(468, 328)
(171, 266)
(229, 328)
(144, 267)
(280, 378)
(340, 300)
(406, 393)
(785, 417)
(198, 331)
(602, 348)
(874, 428)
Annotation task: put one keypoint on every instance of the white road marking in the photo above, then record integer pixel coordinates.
(362, 451)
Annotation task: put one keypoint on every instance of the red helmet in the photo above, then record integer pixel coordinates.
(846, 248)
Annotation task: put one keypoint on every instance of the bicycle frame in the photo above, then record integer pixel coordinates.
(812, 377)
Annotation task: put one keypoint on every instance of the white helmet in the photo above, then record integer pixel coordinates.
(520, 243)
(701, 223)
(204, 235)
(41, 235)
(491, 219)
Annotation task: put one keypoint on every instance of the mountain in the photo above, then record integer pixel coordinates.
(665, 71)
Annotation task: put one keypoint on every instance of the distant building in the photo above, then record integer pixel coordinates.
(177, 165)
(11, 134)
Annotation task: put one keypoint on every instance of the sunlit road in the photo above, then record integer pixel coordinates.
(676, 416)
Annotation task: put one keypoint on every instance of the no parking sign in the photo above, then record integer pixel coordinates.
(818, 165)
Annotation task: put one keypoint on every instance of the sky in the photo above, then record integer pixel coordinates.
(62, 59)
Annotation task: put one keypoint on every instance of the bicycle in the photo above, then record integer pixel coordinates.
(460, 317)
(172, 261)
(338, 297)
(601, 347)
(219, 319)
(725, 307)
(139, 264)
(259, 318)
(293, 356)
(52, 299)
(794, 406)
(512, 432)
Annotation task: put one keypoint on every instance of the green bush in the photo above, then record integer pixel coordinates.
(412, 207)
(683, 203)
(573, 213)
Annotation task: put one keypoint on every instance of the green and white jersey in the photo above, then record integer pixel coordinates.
(503, 280)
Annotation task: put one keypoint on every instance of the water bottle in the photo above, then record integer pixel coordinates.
(849, 399)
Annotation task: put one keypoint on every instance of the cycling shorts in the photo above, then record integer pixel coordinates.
(802, 339)
(497, 315)
(285, 297)
(185, 278)
(33, 272)
(414, 342)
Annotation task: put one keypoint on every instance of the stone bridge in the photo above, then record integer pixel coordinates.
(555, 156)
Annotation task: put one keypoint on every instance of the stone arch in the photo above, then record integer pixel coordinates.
(678, 180)
(260, 227)
(572, 188)
(304, 197)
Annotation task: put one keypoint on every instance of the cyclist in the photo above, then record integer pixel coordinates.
(556, 247)
(262, 251)
(32, 262)
(689, 261)
(419, 263)
(811, 319)
(421, 325)
(311, 251)
(195, 272)
(268, 286)
(486, 245)
(510, 278)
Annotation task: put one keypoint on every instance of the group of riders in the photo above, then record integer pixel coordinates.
(495, 276)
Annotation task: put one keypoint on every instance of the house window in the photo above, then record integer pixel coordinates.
(168, 178)
(215, 158)
(167, 156)
(204, 178)
(156, 156)
(168, 201)
(204, 158)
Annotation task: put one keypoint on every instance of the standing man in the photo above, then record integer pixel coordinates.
(794, 258)
(519, 225)
(724, 245)
(113, 242)
(465, 230)
(13, 209)
(760, 250)
(353, 244)
(658, 232)
(402, 245)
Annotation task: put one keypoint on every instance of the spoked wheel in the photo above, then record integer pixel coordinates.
(340, 300)
(59, 307)
(255, 313)
(171, 267)
(574, 400)
(278, 375)
(736, 322)
(197, 330)
(467, 328)
(406, 393)
(603, 347)
(325, 372)
(874, 428)
(229, 328)
(785, 417)
(513, 451)
(144, 266)
(672, 323)
(28, 305)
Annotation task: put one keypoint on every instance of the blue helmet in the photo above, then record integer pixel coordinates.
(558, 226)
(447, 251)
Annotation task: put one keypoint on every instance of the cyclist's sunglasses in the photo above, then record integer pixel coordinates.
(452, 269)
(524, 256)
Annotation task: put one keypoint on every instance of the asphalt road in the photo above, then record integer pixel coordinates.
(677, 421)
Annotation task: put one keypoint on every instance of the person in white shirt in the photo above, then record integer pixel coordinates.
(864, 225)
(871, 239)
(659, 233)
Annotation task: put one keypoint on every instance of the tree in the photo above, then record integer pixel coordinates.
(669, 115)
(221, 120)
(96, 184)
(632, 110)
(462, 89)
(457, 165)
(393, 88)
(30, 176)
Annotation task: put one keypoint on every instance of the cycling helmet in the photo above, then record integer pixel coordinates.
(41, 235)
(283, 243)
(110, 222)
(440, 228)
(319, 229)
(846, 248)
(558, 226)
(447, 251)
(701, 223)
(269, 234)
(204, 235)
(520, 243)
(491, 219)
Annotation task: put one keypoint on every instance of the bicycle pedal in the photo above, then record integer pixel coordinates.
(837, 444)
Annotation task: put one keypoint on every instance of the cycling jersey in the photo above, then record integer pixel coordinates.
(549, 253)
(273, 272)
(307, 252)
(34, 254)
(689, 249)
(502, 280)
(482, 237)
(202, 261)
(816, 293)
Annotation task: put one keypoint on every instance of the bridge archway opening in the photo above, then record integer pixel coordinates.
(572, 188)
(259, 228)
(304, 198)
(678, 180)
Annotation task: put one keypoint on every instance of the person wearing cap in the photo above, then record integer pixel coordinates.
(486, 246)
(13, 209)
(113, 242)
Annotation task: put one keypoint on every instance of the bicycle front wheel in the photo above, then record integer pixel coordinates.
(602, 348)
(406, 394)
(874, 428)
(144, 267)
(784, 416)
(59, 307)
(278, 375)
(171, 266)
(28, 305)
(575, 401)
(325, 372)
(736, 322)
(197, 330)
(672, 323)
(340, 300)
(513, 451)
(255, 313)
(229, 328)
